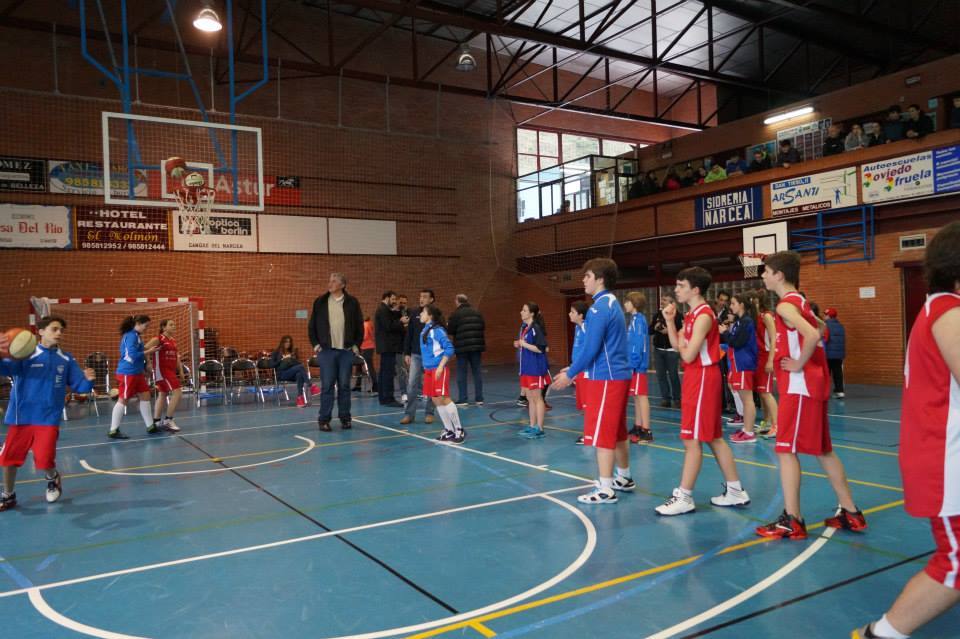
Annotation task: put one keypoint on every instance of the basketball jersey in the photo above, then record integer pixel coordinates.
(710, 353)
(165, 358)
(763, 339)
(930, 419)
(813, 380)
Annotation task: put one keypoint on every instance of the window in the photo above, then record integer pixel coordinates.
(614, 148)
(538, 150)
(577, 146)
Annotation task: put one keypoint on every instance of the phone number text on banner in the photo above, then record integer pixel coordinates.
(111, 229)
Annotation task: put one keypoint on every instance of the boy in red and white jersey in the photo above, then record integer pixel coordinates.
(699, 348)
(764, 375)
(167, 372)
(930, 442)
(804, 383)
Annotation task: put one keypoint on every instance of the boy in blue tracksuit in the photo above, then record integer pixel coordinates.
(638, 340)
(40, 385)
(436, 349)
(604, 357)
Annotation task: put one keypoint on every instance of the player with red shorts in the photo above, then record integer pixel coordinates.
(603, 356)
(577, 315)
(37, 395)
(131, 380)
(763, 377)
(803, 380)
(167, 371)
(930, 443)
(741, 340)
(531, 345)
(700, 391)
(638, 343)
(436, 349)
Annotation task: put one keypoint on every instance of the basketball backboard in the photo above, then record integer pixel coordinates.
(765, 239)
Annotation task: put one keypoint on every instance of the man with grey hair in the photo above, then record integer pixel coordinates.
(336, 332)
(466, 327)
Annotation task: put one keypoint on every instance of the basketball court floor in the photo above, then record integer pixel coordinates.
(251, 523)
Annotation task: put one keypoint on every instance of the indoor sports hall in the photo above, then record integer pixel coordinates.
(433, 318)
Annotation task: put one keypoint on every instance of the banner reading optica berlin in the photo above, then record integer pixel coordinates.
(86, 178)
(231, 232)
(730, 209)
(898, 178)
(34, 226)
(122, 229)
(946, 169)
(819, 192)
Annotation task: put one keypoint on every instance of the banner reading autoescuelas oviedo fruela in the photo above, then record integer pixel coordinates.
(898, 178)
(731, 208)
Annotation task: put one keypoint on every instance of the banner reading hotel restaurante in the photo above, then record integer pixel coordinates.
(122, 229)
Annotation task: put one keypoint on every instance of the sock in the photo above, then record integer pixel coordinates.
(686, 493)
(116, 417)
(734, 485)
(623, 472)
(52, 474)
(454, 415)
(606, 484)
(145, 413)
(5, 495)
(738, 402)
(444, 417)
(883, 629)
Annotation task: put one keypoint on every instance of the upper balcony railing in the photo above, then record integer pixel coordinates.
(585, 183)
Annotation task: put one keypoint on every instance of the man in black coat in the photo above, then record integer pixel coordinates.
(388, 329)
(336, 332)
(466, 328)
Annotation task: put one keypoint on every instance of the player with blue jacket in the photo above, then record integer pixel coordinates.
(604, 356)
(638, 340)
(131, 380)
(531, 343)
(741, 340)
(40, 385)
(436, 349)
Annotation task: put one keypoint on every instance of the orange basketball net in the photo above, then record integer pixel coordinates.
(194, 204)
(751, 263)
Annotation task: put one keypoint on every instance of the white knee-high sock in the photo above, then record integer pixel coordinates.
(145, 413)
(454, 416)
(116, 417)
(738, 402)
(444, 417)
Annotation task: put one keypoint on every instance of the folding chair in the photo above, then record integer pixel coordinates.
(244, 378)
(211, 377)
(360, 373)
(270, 384)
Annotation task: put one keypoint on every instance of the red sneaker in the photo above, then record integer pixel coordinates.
(847, 520)
(301, 402)
(314, 389)
(785, 527)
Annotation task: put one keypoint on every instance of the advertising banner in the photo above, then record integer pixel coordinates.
(34, 226)
(119, 229)
(897, 178)
(822, 191)
(218, 231)
(730, 209)
(86, 178)
(946, 169)
(292, 234)
(22, 174)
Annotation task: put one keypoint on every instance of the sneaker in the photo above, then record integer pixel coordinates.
(171, 426)
(479, 402)
(866, 632)
(462, 402)
(665, 403)
(624, 484)
(522, 403)
(406, 420)
(315, 390)
(345, 424)
(771, 433)
(301, 402)
(598, 496)
(731, 497)
(116, 434)
(841, 395)
(428, 419)
(403, 398)
(153, 428)
(324, 425)
(645, 435)
(762, 428)
(736, 420)
(785, 527)
(743, 437)
(526, 431)
(8, 502)
(534, 433)
(446, 436)
(847, 520)
(458, 437)
(579, 441)
(634, 436)
(54, 488)
(678, 504)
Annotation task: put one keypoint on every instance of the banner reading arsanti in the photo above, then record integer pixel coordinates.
(821, 191)
(730, 209)
(217, 231)
(122, 229)
(898, 178)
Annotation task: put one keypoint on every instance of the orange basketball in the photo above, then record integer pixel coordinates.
(22, 343)
(175, 167)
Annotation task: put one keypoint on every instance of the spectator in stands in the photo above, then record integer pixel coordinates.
(716, 174)
(466, 327)
(672, 181)
(761, 161)
(833, 144)
(874, 134)
(647, 185)
(666, 359)
(388, 327)
(788, 155)
(836, 350)
(689, 177)
(701, 175)
(336, 332)
(736, 165)
(893, 127)
(856, 139)
(955, 113)
(918, 123)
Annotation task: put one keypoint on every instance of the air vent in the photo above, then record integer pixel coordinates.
(912, 242)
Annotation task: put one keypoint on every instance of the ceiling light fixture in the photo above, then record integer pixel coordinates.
(207, 20)
(466, 61)
(789, 115)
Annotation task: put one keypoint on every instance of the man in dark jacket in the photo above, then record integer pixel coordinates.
(388, 325)
(466, 327)
(834, 142)
(788, 155)
(414, 361)
(666, 359)
(836, 350)
(336, 332)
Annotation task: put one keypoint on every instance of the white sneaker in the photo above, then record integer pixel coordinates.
(678, 504)
(624, 484)
(598, 496)
(171, 426)
(403, 398)
(841, 395)
(731, 497)
(53, 489)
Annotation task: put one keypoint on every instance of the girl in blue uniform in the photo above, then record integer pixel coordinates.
(436, 349)
(531, 345)
(132, 382)
(638, 341)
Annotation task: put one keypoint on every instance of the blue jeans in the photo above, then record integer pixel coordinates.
(295, 373)
(336, 366)
(473, 359)
(414, 386)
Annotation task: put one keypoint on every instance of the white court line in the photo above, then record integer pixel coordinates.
(44, 609)
(282, 542)
(191, 433)
(310, 446)
(543, 467)
(756, 589)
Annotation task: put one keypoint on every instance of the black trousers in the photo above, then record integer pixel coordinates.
(836, 372)
(388, 362)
